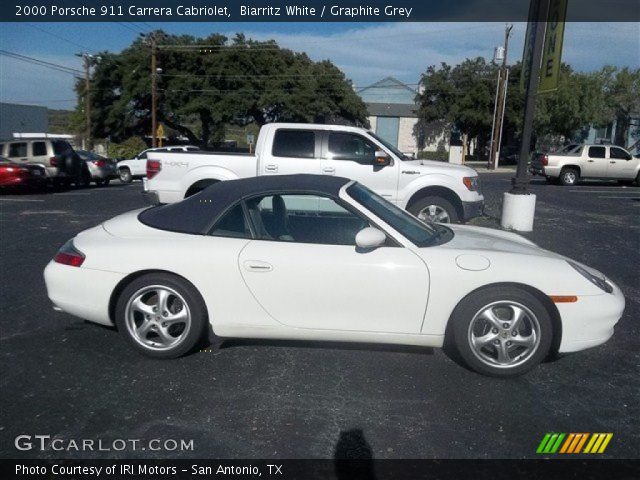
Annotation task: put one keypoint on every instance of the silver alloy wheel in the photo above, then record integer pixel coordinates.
(158, 317)
(569, 177)
(434, 213)
(504, 334)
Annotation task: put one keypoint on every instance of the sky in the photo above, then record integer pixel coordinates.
(366, 52)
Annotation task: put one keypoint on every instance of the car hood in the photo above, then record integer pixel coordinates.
(468, 237)
(431, 166)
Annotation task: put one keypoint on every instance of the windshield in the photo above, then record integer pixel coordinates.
(420, 233)
(395, 151)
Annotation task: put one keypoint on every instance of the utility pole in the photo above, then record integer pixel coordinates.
(501, 98)
(86, 57)
(154, 89)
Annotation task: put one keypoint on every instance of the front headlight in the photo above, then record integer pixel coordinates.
(599, 282)
(472, 183)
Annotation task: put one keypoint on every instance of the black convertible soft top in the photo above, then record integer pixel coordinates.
(198, 213)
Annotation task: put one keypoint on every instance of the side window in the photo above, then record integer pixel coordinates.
(17, 149)
(304, 218)
(615, 152)
(232, 224)
(294, 143)
(597, 152)
(39, 149)
(142, 156)
(349, 146)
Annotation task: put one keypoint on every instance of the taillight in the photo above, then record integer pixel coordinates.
(545, 160)
(69, 255)
(153, 168)
(53, 161)
(99, 163)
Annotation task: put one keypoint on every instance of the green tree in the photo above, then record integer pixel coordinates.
(622, 98)
(237, 82)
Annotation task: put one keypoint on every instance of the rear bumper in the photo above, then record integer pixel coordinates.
(82, 292)
(472, 209)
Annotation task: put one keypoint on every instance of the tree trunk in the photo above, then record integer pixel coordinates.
(464, 147)
(193, 138)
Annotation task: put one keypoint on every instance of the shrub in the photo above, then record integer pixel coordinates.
(127, 149)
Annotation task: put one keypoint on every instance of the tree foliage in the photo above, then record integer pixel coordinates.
(463, 96)
(232, 81)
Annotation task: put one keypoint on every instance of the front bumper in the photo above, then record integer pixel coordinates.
(472, 209)
(589, 322)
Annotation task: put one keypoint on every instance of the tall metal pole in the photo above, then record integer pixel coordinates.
(498, 113)
(540, 8)
(154, 90)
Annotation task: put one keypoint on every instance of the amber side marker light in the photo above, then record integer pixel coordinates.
(563, 298)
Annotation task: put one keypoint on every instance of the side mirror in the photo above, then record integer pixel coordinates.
(369, 238)
(382, 159)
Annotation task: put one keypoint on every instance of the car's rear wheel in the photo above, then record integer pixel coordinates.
(125, 175)
(569, 176)
(435, 209)
(161, 315)
(501, 331)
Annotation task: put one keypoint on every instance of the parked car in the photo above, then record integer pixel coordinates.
(137, 166)
(56, 159)
(430, 190)
(311, 257)
(102, 169)
(14, 175)
(576, 161)
(509, 155)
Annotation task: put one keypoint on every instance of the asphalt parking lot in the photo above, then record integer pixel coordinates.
(250, 399)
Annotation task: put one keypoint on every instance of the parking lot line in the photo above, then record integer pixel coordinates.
(628, 198)
(635, 191)
(20, 200)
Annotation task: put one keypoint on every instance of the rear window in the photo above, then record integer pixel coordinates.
(61, 147)
(39, 149)
(294, 143)
(597, 152)
(18, 149)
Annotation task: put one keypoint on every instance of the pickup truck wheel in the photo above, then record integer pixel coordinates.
(125, 175)
(435, 209)
(569, 176)
(638, 180)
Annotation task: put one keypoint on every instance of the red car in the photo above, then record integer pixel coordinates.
(16, 175)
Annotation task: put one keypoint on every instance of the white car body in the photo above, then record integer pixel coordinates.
(397, 295)
(401, 182)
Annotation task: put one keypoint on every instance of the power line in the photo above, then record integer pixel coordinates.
(124, 25)
(42, 63)
(58, 36)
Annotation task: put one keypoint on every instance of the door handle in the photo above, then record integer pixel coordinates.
(271, 168)
(590, 161)
(329, 170)
(257, 266)
(612, 161)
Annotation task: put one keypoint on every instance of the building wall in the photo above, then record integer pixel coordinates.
(406, 140)
(16, 118)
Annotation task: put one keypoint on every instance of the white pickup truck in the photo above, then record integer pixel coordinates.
(430, 190)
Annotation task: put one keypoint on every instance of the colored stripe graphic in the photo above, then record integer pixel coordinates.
(573, 443)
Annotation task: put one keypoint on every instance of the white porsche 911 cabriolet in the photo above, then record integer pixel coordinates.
(324, 258)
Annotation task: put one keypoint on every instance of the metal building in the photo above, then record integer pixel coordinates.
(16, 118)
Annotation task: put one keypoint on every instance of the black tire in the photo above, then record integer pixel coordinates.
(459, 331)
(125, 175)
(423, 203)
(569, 176)
(195, 306)
(638, 180)
(84, 181)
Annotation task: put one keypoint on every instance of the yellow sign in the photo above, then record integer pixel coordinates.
(160, 134)
(552, 54)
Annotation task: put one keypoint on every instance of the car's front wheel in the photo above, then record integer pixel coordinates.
(501, 331)
(125, 175)
(161, 315)
(435, 209)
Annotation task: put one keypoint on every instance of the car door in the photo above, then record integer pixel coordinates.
(352, 155)
(292, 151)
(18, 152)
(621, 164)
(595, 165)
(306, 272)
(39, 153)
(139, 164)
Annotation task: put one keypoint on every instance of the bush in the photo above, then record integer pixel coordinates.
(127, 149)
(439, 156)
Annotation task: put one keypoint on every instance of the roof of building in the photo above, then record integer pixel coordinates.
(392, 110)
(389, 90)
(197, 214)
